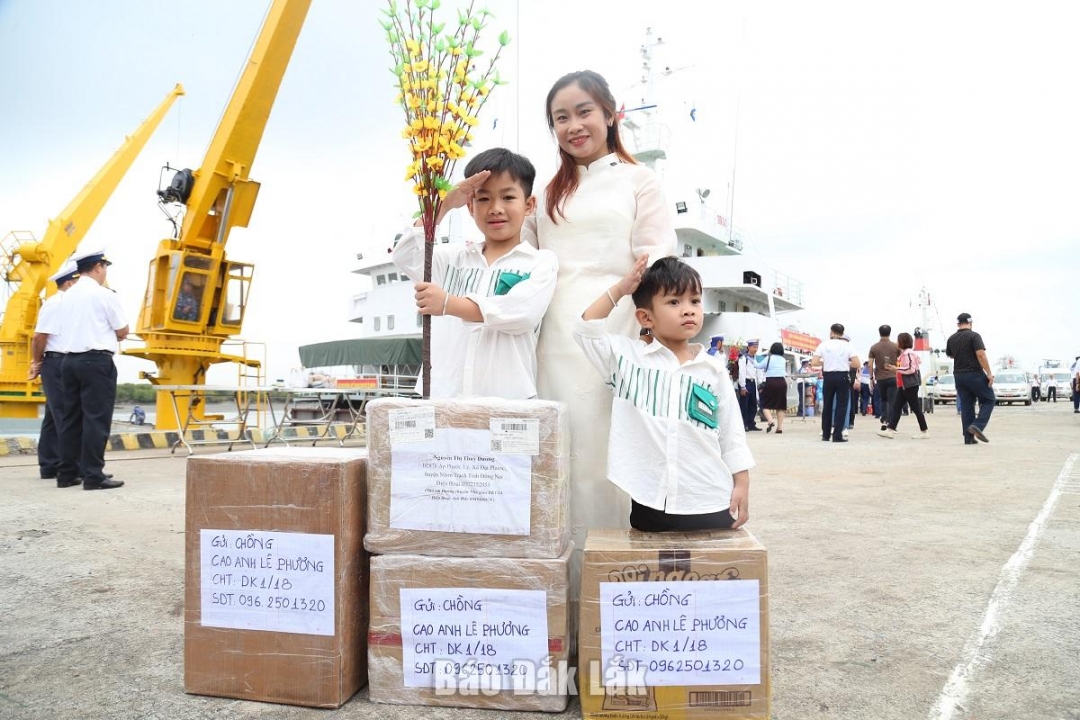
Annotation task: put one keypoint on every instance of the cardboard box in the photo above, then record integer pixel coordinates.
(276, 576)
(432, 617)
(674, 626)
(480, 477)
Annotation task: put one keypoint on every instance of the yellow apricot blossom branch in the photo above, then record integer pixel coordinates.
(440, 91)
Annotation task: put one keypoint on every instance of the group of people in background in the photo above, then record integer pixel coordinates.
(893, 374)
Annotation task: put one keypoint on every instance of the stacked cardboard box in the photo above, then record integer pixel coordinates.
(469, 477)
(469, 632)
(469, 502)
(276, 576)
(674, 626)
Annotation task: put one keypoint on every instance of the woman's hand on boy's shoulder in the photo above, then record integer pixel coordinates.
(629, 282)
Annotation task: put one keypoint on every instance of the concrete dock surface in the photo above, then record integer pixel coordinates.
(909, 579)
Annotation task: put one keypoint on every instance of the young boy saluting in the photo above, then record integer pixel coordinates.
(493, 294)
(677, 445)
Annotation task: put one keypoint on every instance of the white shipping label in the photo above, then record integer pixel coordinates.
(492, 638)
(454, 483)
(274, 581)
(408, 425)
(680, 633)
(515, 435)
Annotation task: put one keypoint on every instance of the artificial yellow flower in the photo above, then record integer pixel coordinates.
(431, 123)
(407, 133)
(413, 46)
(420, 66)
(484, 91)
(431, 106)
(418, 189)
(442, 194)
(416, 124)
(470, 120)
(456, 51)
(412, 101)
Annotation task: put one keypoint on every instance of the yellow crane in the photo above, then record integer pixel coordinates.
(196, 297)
(26, 265)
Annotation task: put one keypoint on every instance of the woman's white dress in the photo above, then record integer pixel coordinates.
(617, 214)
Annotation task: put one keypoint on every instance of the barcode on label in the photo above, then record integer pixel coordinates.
(720, 698)
(429, 433)
(496, 445)
(399, 424)
(520, 427)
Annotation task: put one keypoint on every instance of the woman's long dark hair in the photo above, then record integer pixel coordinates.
(565, 182)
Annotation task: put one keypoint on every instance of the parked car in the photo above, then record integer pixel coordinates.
(1012, 387)
(944, 390)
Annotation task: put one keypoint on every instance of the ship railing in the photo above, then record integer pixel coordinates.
(787, 287)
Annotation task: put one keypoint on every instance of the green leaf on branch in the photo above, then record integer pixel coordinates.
(504, 38)
(476, 23)
(436, 29)
(435, 5)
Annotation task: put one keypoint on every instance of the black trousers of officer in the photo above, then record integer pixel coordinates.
(836, 391)
(90, 384)
(52, 382)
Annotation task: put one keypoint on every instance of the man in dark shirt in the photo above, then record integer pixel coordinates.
(974, 380)
(883, 353)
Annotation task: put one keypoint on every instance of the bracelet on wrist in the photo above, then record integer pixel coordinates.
(612, 299)
(445, 302)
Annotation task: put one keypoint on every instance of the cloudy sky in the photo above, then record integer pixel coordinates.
(867, 149)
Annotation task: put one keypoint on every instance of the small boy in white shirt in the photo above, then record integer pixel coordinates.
(677, 443)
(489, 297)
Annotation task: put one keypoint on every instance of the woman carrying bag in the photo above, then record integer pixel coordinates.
(908, 382)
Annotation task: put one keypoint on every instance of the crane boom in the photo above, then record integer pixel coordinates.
(195, 297)
(30, 264)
